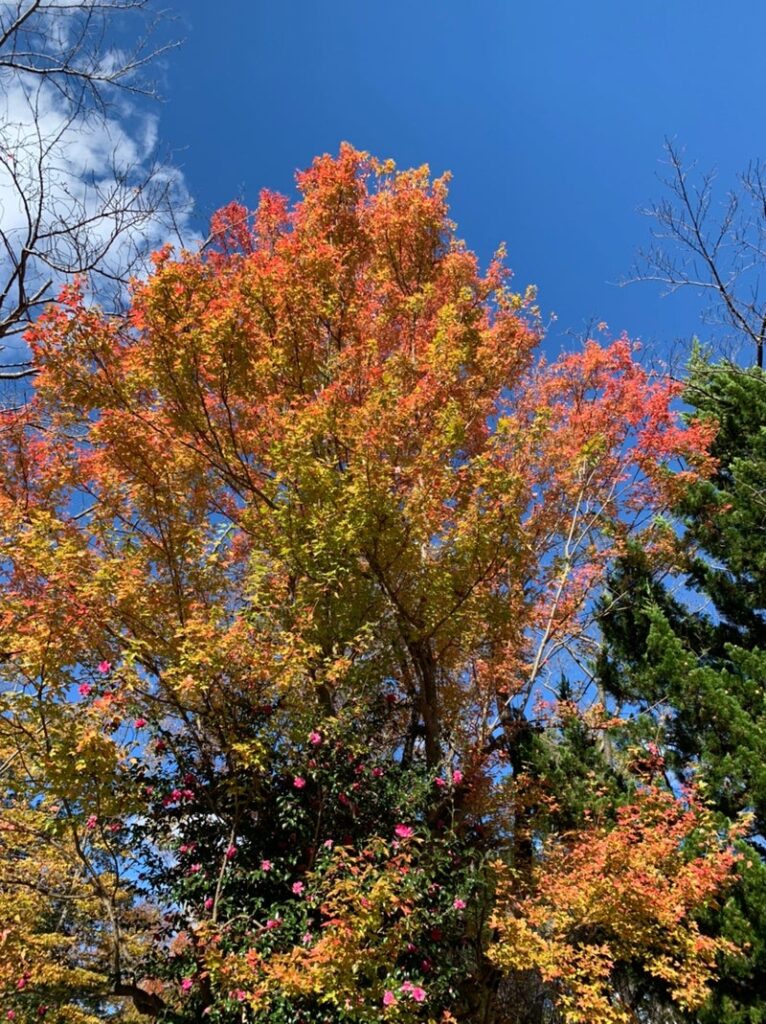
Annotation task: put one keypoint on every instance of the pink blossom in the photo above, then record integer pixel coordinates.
(195, 868)
(139, 723)
(418, 994)
(404, 831)
(273, 922)
(328, 844)
(458, 904)
(186, 984)
(10, 1015)
(298, 888)
(307, 938)
(407, 986)
(239, 995)
(457, 777)
(104, 667)
(439, 782)
(377, 771)
(389, 999)
(209, 903)
(92, 821)
(299, 782)
(265, 865)
(231, 852)
(315, 738)
(84, 689)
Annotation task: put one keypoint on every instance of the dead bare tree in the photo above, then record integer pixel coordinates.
(82, 190)
(715, 248)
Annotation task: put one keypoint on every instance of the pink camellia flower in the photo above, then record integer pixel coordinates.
(377, 771)
(92, 821)
(186, 984)
(299, 782)
(418, 994)
(439, 782)
(314, 738)
(298, 888)
(239, 995)
(407, 986)
(231, 852)
(389, 999)
(404, 831)
(104, 667)
(10, 1015)
(195, 869)
(84, 689)
(139, 723)
(457, 777)
(273, 922)
(265, 865)
(458, 904)
(328, 844)
(209, 903)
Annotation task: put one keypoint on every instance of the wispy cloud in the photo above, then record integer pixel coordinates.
(83, 187)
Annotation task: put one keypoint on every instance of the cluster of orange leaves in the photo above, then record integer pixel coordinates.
(619, 898)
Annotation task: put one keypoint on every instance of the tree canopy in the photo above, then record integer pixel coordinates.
(302, 560)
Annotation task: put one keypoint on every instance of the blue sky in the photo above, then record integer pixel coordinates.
(551, 116)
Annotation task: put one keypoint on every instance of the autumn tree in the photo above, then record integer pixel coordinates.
(295, 553)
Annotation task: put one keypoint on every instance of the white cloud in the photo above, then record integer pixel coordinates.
(79, 186)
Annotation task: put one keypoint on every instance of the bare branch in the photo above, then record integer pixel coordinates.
(718, 250)
(82, 190)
